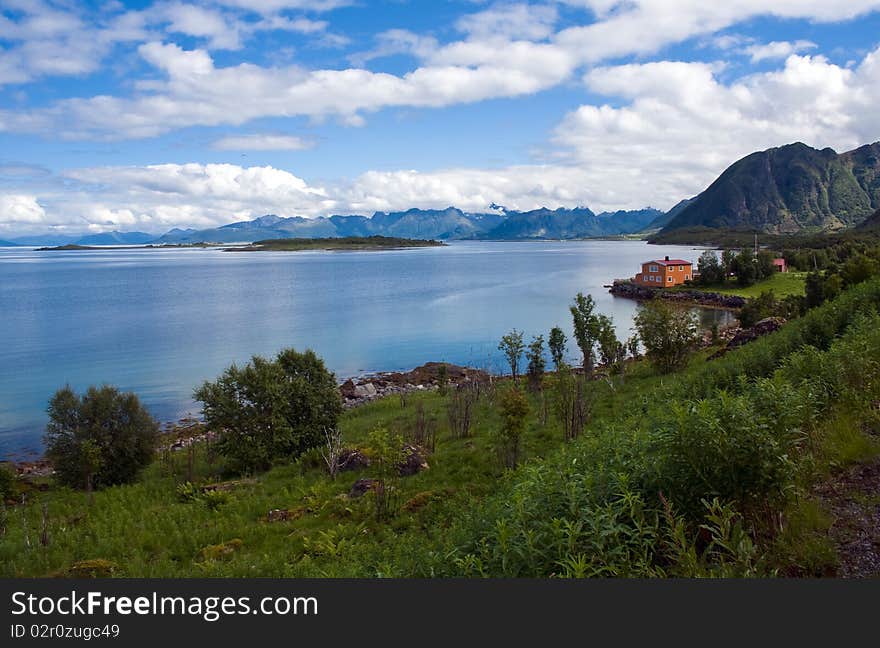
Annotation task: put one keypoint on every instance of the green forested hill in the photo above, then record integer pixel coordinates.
(790, 189)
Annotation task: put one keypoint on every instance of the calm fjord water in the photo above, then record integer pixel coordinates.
(159, 322)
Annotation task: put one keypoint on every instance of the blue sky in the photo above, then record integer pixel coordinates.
(152, 115)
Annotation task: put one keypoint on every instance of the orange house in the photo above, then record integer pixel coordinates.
(664, 274)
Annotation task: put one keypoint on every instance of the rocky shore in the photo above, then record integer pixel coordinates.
(643, 293)
(427, 377)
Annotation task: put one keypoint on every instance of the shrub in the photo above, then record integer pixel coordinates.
(723, 448)
(100, 439)
(668, 334)
(7, 482)
(271, 409)
(514, 407)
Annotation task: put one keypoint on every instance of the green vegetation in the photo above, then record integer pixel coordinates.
(271, 409)
(102, 438)
(781, 284)
(668, 333)
(706, 471)
(512, 346)
(344, 243)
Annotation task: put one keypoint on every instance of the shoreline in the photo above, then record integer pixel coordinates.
(629, 290)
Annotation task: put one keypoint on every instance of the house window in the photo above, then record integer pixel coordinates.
(652, 268)
(681, 268)
(670, 279)
(687, 277)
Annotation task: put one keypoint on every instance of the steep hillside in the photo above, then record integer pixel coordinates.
(790, 189)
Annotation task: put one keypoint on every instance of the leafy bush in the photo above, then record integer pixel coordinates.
(720, 448)
(271, 409)
(7, 482)
(668, 334)
(514, 407)
(100, 439)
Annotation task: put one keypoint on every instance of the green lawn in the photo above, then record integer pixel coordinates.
(781, 283)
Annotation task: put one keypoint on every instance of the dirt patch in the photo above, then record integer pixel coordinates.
(853, 499)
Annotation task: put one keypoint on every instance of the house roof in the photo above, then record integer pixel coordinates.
(666, 262)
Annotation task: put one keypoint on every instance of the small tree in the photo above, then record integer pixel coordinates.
(514, 408)
(586, 327)
(609, 346)
(668, 334)
(512, 346)
(710, 268)
(537, 364)
(100, 439)
(271, 409)
(728, 258)
(460, 410)
(745, 265)
(331, 451)
(386, 451)
(556, 343)
(572, 403)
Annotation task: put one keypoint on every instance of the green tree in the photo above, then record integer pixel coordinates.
(728, 258)
(512, 346)
(667, 333)
(271, 409)
(758, 308)
(386, 451)
(814, 289)
(610, 348)
(857, 269)
(745, 265)
(765, 267)
(102, 438)
(537, 364)
(557, 346)
(710, 269)
(514, 407)
(586, 327)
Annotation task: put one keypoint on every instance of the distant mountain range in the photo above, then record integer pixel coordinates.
(445, 224)
(105, 238)
(789, 189)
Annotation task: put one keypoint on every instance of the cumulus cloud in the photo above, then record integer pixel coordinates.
(681, 126)
(19, 211)
(196, 92)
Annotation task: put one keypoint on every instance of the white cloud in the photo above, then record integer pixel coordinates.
(626, 27)
(510, 21)
(681, 126)
(19, 211)
(262, 142)
(777, 49)
(196, 92)
(397, 41)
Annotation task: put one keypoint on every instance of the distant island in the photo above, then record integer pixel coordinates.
(346, 243)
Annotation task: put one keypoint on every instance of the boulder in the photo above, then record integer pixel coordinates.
(365, 391)
(361, 487)
(347, 389)
(413, 462)
(351, 459)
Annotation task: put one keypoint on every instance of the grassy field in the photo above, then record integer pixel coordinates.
(781, 283)
(145, 529)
